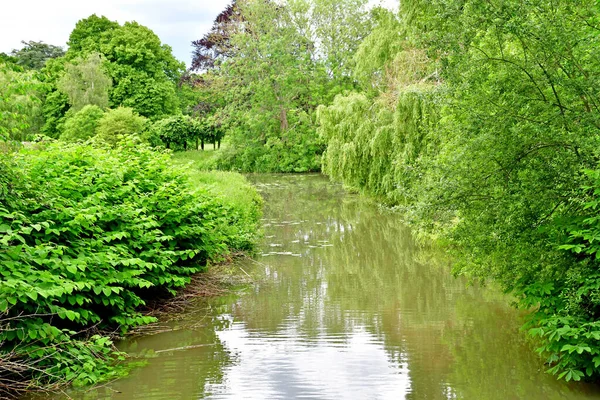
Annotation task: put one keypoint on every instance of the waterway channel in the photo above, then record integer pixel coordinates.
(347, 306)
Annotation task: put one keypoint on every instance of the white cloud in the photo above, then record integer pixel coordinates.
(176, 22)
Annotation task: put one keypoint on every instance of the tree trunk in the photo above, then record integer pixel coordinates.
(284, 125)
(202, 143)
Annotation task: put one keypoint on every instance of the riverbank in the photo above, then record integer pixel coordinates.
(90, 237)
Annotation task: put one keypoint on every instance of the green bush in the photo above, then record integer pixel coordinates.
(567, 308)
(118, 123)
(86, 235)
(177, 131)
(242, 201)
(82, 125)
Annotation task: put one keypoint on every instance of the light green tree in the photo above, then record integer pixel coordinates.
(82, 125)
(20, 104)
(115, 124)
(86, 83)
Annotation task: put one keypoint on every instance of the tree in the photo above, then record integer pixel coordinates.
(56, 104)
(276, 64)
(143, 70)
(117, 123)
(7, 59)
(90, 34)
(85, 83)
(34, 55)
(20, 104)
(82, 124)
(481, 121)
(216, 45)
(178, 130)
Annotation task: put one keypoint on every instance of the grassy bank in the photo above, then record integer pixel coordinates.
(89, 235)
(202, 160)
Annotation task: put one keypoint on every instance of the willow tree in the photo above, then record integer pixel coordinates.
(86, 83)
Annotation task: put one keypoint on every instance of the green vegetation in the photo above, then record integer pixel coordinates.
(265, 75)
(479, 121)
(20, 103)
(34, 55)
(97, 223)
(84, 83)
(87, 235)
(82, 125)
(118, 123)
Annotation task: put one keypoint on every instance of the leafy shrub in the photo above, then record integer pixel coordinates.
(20, 103)
(118, 123)
(82, 125)
(86, 235)
(242, 201)
(567, 308)
(178, 130)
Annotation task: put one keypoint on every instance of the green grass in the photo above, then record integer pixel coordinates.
(204, 160)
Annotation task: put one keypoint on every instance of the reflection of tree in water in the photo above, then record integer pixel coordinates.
(457, 343)
(339, 266)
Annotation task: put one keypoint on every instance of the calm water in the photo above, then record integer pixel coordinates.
(347, 308)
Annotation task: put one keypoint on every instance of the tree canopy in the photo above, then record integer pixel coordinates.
(34, 55)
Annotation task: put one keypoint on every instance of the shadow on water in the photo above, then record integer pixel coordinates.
(347, 308)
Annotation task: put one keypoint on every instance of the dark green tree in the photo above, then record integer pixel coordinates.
(143, 70)
(34, 55)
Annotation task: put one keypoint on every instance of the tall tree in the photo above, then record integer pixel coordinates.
(85, 83)
(90, 34)
(216, 44)
(275, 65)
(144, 71)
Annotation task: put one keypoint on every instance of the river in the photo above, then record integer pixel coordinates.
(346, 307)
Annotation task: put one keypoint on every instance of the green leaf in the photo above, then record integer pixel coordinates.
(3, 305)
(71, 268)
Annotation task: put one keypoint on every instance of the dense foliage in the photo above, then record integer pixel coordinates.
(85, 83)
(478, 118)
(87, 234)
(20, 103)
(178, 130)
(114, 125)
(82, 124)
(34, 55)
(269, 66)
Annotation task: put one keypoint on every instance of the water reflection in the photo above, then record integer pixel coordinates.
(348, 308)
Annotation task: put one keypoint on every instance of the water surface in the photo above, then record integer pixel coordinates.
(347, 307)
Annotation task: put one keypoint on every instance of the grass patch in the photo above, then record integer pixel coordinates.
(204, 160)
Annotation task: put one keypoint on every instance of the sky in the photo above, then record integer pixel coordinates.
(176, 22)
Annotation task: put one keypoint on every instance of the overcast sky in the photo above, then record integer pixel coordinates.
(176, 22)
